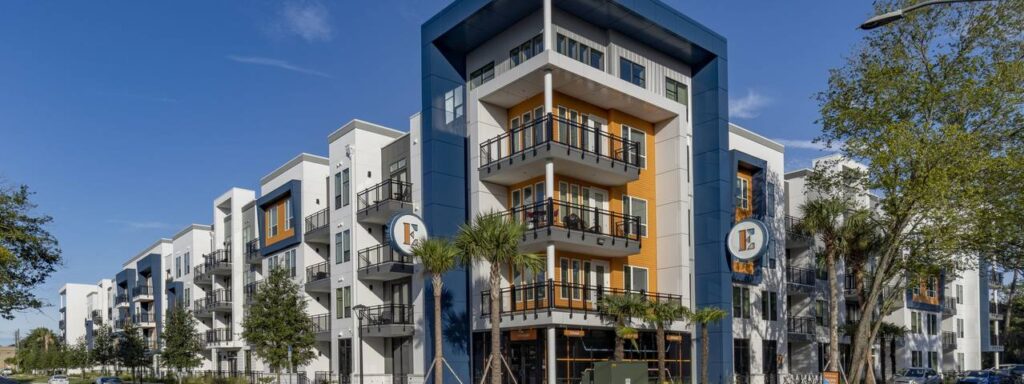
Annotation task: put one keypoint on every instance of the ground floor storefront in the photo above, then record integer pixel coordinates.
(526, 353)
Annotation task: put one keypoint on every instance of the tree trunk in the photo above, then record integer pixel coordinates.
(438, 353)
(881, 355)
(661, 353)
(495, 324)
(620, 348)
(833, 311)
(704, 340)
(863, 330)
(892, 354)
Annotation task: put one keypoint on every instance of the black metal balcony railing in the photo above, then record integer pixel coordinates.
(142, 290)
(552, 129)
(851, 285)
(97, 315)
(60, 324)
(575, 217)
(318, 272)
(994, 340)
(949, 305)
(321, 322)
(995, 279)
(252, 250)
(801, 324)
(199, 305)
(220, 296)
(121, 299)
(218, 335)
(387, 190)
(218, 258)
(318, 220)
(800, 276)
(387, 314)
(793, 225)
(555, 295)
(120, 323)
(143, 318)
(380, 254)
(200, 274)
(994, 308)
(249, 292)
(948, 340)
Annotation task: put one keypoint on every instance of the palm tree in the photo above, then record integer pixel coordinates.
(494, 239)
(662, 313)
(705, 317)
(620, 309)
(438, 256)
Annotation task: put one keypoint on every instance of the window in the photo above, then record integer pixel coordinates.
(915, 322)
(272, 221)
(769, 306)
(632, 72)
(821, 312)
(933, 324)
(289, 216)
(346, 250)
(337, 190)
(959, 294)
(742, 193)
(640, 138)
(453, 105)
(740, 302)
(580, 52)
(188, 295)
(526, 50)
(343, 297)
(633, 206)
(188, 263)
(284, 260)
(959, 361)
(482, 75)
(177, 266)
(915, 359)
(339, 245)
(960, 328)
(346, 196)
(676, 91)
(933, 359)
(635, 278)
(741, 357)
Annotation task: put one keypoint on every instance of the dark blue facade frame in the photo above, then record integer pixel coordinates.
(151, 264)
(127, 278)
(916, 305)
(761, 210)
(465, 24)
(292, 189)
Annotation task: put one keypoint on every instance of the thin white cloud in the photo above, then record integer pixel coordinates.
(308, 20)
(747, 106)
(131, 224)
(275, 63)
(801, 144)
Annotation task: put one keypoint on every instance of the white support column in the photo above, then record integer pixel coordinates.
(548, 91)
(547, 25)
(552, 358)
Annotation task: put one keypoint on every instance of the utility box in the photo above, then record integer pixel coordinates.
(614, 372)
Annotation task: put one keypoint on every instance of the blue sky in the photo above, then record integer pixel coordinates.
(127, 118)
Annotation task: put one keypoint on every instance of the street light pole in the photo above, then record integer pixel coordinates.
(889, 17)
(359, 314)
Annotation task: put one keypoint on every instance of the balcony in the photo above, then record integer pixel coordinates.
(120, 323)
(377, 204)
(200, 307)
(318, 277)
(201, 275)
(589, 154)
(218, 262)
(995, 310)
(218, 336)
(322, 326)
(252, 252)
(219, 300)
(800, 280)
(577, 228)
(60, 324)
(144, 320)
(949, 306)
(794, 234)
(532, 304)
(249, 292)
(851, 287)
(388, 320)
(995, 279)
(948, 340)
(381, 263)
(97, 316)
(142, 293)
(318, 227)
(121, 300)
(801, 328)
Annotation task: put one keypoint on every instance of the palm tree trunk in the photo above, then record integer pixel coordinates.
(620, 347)
(496, 324)
(704, 340)
(833, 311)
(438, 353)
(661, 353)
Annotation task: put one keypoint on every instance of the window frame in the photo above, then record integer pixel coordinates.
(627, 209)
(628, 133)
(628, 280)
(632, 76)
(346, 185)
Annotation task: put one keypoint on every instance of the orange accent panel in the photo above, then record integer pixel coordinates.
(741, 214)
(282, 216)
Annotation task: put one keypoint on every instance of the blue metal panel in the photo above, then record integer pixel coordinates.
(293, 188)
(760, 167)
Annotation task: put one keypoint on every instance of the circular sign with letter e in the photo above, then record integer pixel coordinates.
(405, 231)
(748, 239)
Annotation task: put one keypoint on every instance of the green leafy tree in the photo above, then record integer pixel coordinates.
(104, 351)
(438, 256)
(661, 314)
(77, 355)
(40, 350)
(620, 310)
(182, 345)
(705, 317)
(493, 240)
(28, 253)
(277, 320)
(131, 349)
(931, 103)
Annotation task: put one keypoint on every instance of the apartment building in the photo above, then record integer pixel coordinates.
(75, 311)
(189, 246)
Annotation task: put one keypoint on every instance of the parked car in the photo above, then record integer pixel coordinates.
(108, 380)
(1016, 370)
(918, 376)
(7, 372)
(985, 377)
(58, 379)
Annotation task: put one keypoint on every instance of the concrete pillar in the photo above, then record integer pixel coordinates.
(548, 92)
(547, 25)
